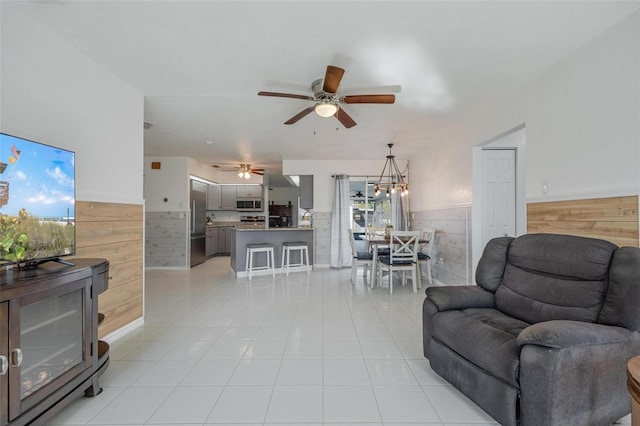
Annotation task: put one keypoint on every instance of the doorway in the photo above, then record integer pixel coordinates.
(498, 189)
(498, 193)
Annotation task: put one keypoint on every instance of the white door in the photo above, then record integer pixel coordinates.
(498, 193)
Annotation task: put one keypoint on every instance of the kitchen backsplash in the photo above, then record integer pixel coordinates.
(229, 216)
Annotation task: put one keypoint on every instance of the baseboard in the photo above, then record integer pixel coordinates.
(278, 271)
(115, 335)
(439, 283)
(166, 268)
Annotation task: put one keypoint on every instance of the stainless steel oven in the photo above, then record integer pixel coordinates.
(252, 222)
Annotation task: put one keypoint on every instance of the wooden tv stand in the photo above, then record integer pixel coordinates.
(49, 348)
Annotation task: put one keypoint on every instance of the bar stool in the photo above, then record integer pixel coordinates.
(252, 249)
(288, 247)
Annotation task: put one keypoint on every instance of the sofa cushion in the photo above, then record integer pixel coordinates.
(492, 263)
(364, 255)
(623, 296)
(563, 255)
(447, 298)
(485, 337)
(555, 277)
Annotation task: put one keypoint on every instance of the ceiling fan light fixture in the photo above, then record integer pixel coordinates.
(326, 108)
(245, 171)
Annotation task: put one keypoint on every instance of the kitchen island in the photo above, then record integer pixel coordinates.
(276, 236)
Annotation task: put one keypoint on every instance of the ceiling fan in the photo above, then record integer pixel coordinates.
(326, 101)
(358, 194)
(246, 170)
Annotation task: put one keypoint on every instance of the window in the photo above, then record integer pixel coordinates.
(366, 209)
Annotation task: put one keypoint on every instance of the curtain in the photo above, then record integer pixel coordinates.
(340, 221)
(399, 212)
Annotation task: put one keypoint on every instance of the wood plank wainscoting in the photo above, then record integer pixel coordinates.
(114, 232)
(613, 219)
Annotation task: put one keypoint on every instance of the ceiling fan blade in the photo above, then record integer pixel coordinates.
(332, 79)
(286, 95)
(299, 115)
(368, 99)
(257, 173)
(394, 88)
(344, 118)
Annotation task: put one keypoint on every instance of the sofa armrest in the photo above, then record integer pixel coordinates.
(460, 297)
(569, 370)
(562, 334)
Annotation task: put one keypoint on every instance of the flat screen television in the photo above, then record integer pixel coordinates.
(37, 202)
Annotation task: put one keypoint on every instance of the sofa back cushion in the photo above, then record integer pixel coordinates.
(553, 277)
(492, 263)
(621, 306)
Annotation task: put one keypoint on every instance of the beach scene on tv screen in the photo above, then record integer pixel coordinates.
(37, 200)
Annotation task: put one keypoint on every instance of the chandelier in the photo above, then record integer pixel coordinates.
(391, 180)
(245, 171)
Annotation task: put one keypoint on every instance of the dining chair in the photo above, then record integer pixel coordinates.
(402, 258)
(362, 258)
(378, 231)
(424, 254)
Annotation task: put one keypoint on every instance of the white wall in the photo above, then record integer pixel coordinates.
(212, 174)
(441, 173)
(323, 183)
(171, 181)
(582, 124)
(52, 93)
(203, 171)
(583, 132)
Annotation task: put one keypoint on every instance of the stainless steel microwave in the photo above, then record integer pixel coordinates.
(249, 204)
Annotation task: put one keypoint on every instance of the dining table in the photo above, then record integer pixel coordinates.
(374, 241)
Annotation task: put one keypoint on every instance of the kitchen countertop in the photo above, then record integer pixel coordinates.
(231, 223)
(241, 237)
(274, 229)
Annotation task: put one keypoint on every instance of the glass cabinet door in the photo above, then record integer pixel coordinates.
(4, 363)
(51, 339)
(52, 345)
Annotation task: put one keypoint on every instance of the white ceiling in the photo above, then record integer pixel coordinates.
(200, 65)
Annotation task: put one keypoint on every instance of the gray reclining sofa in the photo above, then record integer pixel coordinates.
(544, 337)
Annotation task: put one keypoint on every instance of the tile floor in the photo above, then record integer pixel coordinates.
(305, 349)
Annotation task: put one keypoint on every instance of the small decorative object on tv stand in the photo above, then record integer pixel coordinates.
(50, 313)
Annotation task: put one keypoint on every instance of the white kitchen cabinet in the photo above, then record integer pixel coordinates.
(224, 239)
(306, 192)
(249, 191)
(218, 240)
(228, 197)
(212, 241)
(214, 195)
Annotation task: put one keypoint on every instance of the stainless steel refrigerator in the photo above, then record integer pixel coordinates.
(198, 220)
